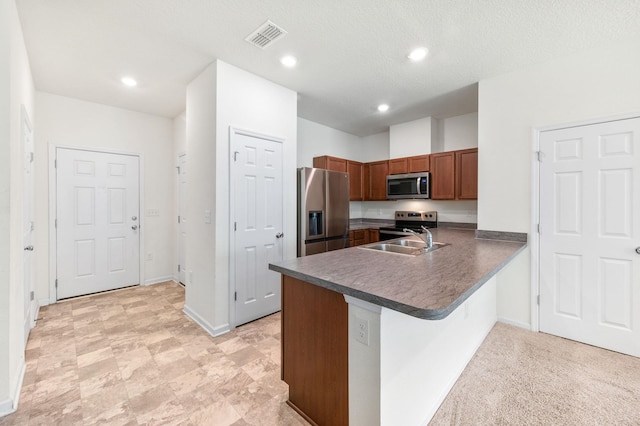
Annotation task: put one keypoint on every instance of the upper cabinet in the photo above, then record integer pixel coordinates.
(455, 175)
(376, 180)
(330, 163)
(467, 174)
(443, 176)
(353, 168)
(356, 180)
(398, 166)
(419, 163)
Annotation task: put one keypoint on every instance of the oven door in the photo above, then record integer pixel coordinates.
(390, 234)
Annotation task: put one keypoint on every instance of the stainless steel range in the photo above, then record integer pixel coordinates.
(410, 220)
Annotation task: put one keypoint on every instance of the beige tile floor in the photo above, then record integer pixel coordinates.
(131, 357)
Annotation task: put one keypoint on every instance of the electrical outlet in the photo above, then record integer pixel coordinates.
(149, 256)
(362, 331)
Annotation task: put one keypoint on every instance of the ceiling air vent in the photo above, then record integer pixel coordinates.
(265, 35)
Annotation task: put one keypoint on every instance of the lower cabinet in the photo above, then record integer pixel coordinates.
(315, 352)
(359, 237)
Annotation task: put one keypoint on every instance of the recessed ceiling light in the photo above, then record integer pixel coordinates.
(383, 107)
(128, 81)
(289, 61)
(418, 54)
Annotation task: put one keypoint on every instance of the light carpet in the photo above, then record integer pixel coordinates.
(518, 377)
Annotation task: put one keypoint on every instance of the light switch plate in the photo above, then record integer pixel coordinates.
(153, 212)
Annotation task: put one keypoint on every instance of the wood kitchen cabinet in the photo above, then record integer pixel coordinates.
(376, 180)
(443, 176)
(455, 175)
(315, 351)
(357, 237)
(398, 166)
(356, 181)
(355, 170)
(330, 163)
(419, 163)
(467, 174)
(415, 164)
(373, 235)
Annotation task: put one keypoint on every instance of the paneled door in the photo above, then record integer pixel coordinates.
(257, 214)
(590, 234)
(98, 224)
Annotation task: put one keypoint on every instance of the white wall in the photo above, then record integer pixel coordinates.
(6, 402)
(201, 297)
(459, 132)
(201, 294)
(409, 365)
(374, 148)
(411, 138)
(315, 140)
(221, 97)
(593, 84)
(16, 92)
(70, 122)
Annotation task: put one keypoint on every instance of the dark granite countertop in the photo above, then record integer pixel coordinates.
(428, 286)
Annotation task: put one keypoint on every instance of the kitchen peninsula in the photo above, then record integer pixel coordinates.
(371, 337)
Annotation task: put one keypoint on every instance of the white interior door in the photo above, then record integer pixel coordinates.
(589, 232)
(182, 217)
(98, 225)
(256, 188)
(27, 226)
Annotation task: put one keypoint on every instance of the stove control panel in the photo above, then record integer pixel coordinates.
(417, 216)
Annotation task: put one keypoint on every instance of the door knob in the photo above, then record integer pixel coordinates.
(28, 248)
(279, 235)
(134, 217)
(134, 227)
(638, 250)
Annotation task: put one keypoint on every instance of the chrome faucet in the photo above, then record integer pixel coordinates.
(428, 239)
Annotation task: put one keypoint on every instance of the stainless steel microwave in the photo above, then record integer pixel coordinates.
(412, 185)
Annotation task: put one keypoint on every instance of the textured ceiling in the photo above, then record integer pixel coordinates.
(351, 54)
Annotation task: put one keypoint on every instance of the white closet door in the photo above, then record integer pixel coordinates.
(590, 231)
(257, 184)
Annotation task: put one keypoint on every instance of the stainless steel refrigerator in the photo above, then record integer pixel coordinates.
(323, 211)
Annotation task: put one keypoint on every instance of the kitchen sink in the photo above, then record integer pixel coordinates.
(418, 244)
(408, 247)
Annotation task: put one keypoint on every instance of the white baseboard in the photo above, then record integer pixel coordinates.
(35, 317)
(43, 302)
(515, 323)
(10, 405)
(213, 331)
(158, 280)
(6, 407)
